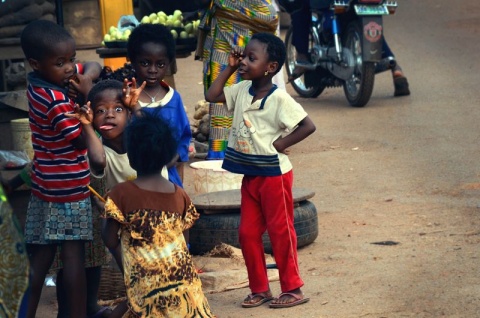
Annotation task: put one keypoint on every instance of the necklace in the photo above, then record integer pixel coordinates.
(152, 98)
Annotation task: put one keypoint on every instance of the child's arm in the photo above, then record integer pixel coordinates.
(174, 161)
(95, 151)
(215, 92)
(131, 95)
(110, 230)
(305, 128)
(82, 83)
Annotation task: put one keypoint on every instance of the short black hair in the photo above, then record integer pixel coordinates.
(275, 48)
(102, 86)
(39, 36)
(150, 143)
(150, 33)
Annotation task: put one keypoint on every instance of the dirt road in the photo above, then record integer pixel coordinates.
(400, 169)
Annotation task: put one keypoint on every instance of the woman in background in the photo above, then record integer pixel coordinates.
(228, 24)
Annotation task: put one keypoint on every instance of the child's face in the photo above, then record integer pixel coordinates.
(255, 61)
(58, 65)
(151, 64)
(110, 116)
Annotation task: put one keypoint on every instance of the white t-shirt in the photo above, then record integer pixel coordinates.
(256, 126)
(118, 169)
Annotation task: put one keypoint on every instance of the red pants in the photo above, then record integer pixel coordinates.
(267, 204)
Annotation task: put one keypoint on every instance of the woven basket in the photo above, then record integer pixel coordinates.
(112, 285)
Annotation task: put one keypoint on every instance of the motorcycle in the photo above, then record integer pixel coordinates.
(345, 48)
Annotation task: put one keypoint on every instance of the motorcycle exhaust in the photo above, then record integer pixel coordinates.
(385, 64)
(306, 66)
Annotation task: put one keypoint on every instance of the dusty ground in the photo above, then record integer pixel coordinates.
(400, 169)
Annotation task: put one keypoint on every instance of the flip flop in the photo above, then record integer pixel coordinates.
(263, 299)
(101, 313)
(299, 299)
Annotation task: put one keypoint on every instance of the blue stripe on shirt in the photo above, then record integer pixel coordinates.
(249, 164)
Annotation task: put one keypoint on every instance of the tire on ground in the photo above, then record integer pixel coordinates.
(211, 230)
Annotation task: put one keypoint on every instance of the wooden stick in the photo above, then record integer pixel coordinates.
(96, 194)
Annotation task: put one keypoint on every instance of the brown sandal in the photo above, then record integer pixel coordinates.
(262, 298)
(297, 300)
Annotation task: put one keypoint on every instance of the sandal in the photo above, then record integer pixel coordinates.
(401, 86)
(262, 298)
(297, 300)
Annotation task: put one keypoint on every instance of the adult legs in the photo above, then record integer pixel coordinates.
(40, 257)
(400, 82)
(301, 20)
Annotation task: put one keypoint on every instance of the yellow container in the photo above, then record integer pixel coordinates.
(110, 12)
(22, 136)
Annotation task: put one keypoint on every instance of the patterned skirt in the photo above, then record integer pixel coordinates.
(53, 222)
(96, 253)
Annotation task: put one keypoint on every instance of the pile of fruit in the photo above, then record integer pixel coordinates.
(180, 29)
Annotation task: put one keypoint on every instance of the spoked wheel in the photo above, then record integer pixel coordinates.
(358, 88)
(299, 83)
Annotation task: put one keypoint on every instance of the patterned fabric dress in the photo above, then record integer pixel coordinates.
(231, 23)
(159, 274)
(14, 266)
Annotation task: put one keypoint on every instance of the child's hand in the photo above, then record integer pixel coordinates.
(235, 57)
(79, 83)
(278, 145)
(84, 114)
(98, 203)
(131, 94)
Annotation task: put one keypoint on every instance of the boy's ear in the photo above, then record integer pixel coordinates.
(33, 64)
(272, 67)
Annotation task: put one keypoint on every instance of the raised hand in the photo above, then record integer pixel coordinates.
(236, 55)
(83, 113)
(79, 83)
(131, 93)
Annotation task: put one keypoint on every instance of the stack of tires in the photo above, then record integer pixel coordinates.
(212, 229)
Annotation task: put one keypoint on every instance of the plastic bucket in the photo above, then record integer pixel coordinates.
(22, 136)
(208, 176)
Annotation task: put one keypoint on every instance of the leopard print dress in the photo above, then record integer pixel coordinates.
(160, 278)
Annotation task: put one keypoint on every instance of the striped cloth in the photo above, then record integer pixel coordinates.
(60, 171)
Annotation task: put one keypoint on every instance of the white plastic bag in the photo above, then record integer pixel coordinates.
(13, 159)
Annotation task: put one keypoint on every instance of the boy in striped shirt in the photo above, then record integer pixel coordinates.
(59, 212)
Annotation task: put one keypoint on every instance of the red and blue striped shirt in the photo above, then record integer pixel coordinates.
(60, 171)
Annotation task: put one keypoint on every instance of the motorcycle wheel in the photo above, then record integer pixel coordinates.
(299, 83)
(358, 89)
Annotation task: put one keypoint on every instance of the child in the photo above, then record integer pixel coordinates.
(145, 219)
(59, 212)
(109, 115)
(151, 49)
(257, 149)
